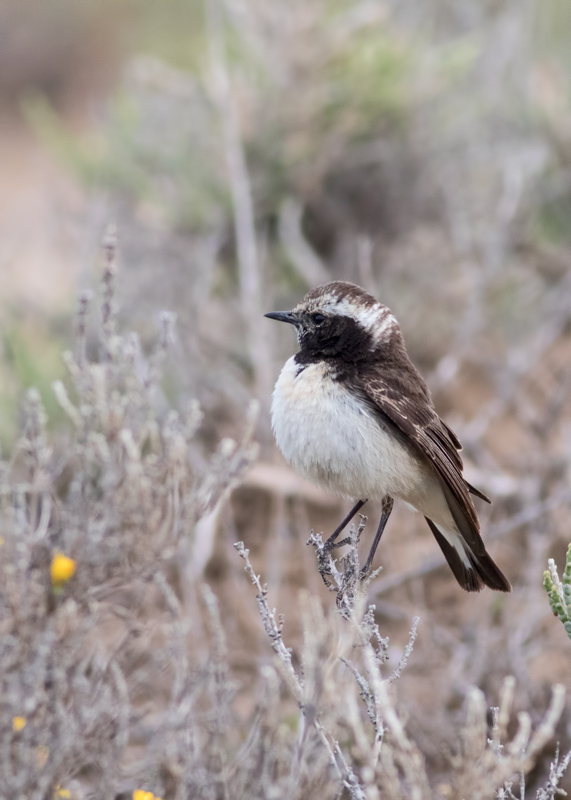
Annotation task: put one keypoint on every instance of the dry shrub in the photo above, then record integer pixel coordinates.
(128, 676)
(115, 678)
(120, 497)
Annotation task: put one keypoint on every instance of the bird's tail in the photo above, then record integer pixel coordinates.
(472, 571)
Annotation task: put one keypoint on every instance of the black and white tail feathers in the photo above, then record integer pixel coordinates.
(472, 570)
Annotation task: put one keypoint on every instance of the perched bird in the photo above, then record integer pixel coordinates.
(352, 414)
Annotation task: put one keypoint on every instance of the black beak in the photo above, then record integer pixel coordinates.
(283, 316)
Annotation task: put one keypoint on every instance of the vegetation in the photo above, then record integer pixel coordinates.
(559, 591)
(246, 151)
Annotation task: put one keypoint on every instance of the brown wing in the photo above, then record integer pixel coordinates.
(414, 416)
(402, 401)
(456, 442)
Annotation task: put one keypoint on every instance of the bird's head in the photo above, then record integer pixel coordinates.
(339, 319)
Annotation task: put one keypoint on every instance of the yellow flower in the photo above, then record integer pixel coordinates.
(18, 723)
(59, 792)
(61, 569)
(140, 794)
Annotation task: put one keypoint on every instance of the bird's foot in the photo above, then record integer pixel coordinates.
(364, 571)
(324, 561)
(329, 546)
(366, 577)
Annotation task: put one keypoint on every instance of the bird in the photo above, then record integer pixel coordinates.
(352, 414)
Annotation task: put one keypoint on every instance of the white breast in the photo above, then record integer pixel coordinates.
(332, 439)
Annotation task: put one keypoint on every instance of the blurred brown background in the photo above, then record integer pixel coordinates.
(420, 149)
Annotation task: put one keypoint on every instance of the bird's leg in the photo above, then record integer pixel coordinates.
(387, 507)
(329, 544)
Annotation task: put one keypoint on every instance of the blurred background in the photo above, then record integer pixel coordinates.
(247, 153)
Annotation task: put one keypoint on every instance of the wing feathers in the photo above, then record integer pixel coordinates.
(478, 493)
(405, 401)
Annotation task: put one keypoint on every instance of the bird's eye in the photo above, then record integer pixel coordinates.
(318, 319)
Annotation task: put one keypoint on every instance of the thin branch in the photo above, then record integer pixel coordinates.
(407, 651)
(274, 632)
(248, 259)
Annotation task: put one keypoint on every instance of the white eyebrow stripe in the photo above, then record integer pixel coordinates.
(377, 319)
(382, 327)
